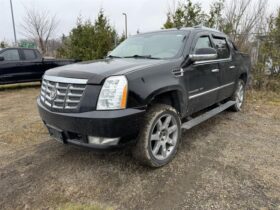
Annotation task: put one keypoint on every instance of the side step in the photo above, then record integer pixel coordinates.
(205, 116)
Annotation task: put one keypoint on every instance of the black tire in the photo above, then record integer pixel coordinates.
(239, 102)
(145, 147)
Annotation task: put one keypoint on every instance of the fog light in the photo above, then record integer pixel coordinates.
(103, 141)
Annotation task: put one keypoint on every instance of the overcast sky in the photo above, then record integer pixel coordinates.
(145, 15)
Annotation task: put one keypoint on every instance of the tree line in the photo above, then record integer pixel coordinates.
(246, 22)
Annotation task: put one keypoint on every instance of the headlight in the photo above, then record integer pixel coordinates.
(113, 94)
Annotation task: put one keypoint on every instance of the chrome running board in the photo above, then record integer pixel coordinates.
(205, 116)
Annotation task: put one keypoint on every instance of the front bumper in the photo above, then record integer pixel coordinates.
(76, 127)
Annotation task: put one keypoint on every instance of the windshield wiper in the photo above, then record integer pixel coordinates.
(141, 56)
(113, 56)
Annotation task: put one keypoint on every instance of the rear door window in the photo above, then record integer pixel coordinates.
(10, 55)
(29, 54)
(222, 47)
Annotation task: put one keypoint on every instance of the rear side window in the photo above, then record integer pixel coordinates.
(203, 42)
(29, 54)
(222, 47)
(10, 55)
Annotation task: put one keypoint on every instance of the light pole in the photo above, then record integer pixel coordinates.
(12, 11)
(125, 15)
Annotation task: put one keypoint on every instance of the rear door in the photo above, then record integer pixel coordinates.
(10, 68)
(31, 65)
(227, 66)
(203, 77)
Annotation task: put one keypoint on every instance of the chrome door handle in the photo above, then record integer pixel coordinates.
(232, 67)
(215, 70)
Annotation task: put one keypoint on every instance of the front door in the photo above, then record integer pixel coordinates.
(203, 77)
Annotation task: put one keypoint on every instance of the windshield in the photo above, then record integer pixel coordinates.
(154, 45)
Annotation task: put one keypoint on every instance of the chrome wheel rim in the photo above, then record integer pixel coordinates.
(164, 137)
(240, 95)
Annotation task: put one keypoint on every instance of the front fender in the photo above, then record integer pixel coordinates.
(142, 92)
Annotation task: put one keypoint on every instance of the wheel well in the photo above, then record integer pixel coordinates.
(169, 98)
(244, 77)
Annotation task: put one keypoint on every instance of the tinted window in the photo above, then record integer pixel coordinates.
(222, 47)
(29, 54)
(10, 55)
(203, 42)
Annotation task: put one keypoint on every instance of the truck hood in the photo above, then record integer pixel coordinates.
(97, 71)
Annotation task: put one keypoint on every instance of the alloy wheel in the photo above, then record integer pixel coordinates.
(164, 137)
(240, 95)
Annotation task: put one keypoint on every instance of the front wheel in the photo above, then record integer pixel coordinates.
(160, 136)
(238, 96)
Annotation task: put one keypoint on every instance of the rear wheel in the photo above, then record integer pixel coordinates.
(238, 96)
(159, 139)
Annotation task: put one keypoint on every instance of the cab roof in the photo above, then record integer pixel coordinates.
(198, 28)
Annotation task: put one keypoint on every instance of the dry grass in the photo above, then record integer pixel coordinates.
(71, 206)
(264, 103)
(229, 162)
(19, 86)
(20, 123)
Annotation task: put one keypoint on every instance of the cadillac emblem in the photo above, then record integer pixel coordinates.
(53, 93)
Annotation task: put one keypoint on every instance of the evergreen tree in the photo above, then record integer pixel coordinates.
(88, 41)
(267, 71)
(186, 15)
(215, 19)
(3, 44)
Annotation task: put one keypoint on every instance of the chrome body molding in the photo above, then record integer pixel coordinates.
(65, 80)
(194, 91)
(215, 70)
(213, 61)
(203, 57)
(210, 91)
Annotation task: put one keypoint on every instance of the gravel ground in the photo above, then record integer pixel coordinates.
(228, 162)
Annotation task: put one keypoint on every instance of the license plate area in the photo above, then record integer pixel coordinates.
(56, 133)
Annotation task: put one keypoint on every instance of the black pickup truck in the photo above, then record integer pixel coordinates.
(25, 65)
(147, 89)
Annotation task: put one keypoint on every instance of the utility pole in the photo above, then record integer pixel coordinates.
(125, 15)
(14, 27)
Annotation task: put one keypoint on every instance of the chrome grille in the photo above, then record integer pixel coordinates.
(62, 93)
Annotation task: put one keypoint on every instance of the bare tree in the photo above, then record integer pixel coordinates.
(242, 18)
(39, 26)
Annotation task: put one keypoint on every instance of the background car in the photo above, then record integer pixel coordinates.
(25, 65)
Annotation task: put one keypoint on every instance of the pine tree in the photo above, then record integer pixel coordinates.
(89, 41)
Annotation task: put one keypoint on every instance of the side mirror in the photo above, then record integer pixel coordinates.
(204, 54)
(2, 58)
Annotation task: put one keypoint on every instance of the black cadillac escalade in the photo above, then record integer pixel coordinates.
(145, 91)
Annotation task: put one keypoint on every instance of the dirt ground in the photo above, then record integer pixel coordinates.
(229, 162)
